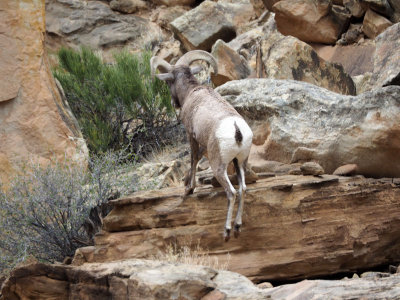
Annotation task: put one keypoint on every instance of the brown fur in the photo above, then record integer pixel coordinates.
(202, 110)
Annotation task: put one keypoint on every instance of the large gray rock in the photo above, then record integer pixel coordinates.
(200, 27)
(374, 24)
(363, 288)
(387, 58)
(149, 280)
(128, 279)
(273, 55)
(303, 122)
(94, 24)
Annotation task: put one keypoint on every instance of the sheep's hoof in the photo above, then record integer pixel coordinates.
(189, 191)
(227, 234)
(236, 231)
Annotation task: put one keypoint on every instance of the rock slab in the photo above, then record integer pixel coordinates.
(336, 224)
(303, 122)
(35, 124)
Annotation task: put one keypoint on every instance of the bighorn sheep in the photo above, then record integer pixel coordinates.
(212, 126)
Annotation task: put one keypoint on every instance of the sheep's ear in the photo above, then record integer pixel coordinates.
(165, 76)
(195, 70)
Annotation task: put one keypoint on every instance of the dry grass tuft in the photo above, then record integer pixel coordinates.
(196, 256)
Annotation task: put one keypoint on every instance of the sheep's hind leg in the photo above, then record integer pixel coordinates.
(239, 168)
(222, 177)
(190, 179)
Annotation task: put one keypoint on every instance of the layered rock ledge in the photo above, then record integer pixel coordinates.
(295, 227)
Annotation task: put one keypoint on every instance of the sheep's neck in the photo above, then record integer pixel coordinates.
(188, 86)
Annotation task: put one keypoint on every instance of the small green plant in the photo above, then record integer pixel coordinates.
(116, 104)
(50, 211)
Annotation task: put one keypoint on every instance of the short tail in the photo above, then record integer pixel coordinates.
(238, 134)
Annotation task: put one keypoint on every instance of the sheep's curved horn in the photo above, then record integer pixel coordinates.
(157, 62)
(191, 56)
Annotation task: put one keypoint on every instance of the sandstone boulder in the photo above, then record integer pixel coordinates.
(285, 57)
(273, 55)
(356, 59)
(305, 123)
(346, 170)
(35, 124)
(231, 65)
(141, 279)
(311, 168)
(128, 279)
(310, 20)
(95, 24)
(387, 58)
(200, 27)
(374, 24)
(336, 224)
(194, 33)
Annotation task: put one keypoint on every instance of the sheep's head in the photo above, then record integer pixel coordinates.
(171, 74)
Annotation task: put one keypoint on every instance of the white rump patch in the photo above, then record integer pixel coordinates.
(225, 134)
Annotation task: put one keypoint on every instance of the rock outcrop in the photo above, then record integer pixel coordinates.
(302, 122)
(294, 226)
(231, 65)
(128, 279)
(311, 21)
(144, 279)
(35, 124)
(374, 24)
(273, 55)
(387, 58)
(95, 24)
(201, 27)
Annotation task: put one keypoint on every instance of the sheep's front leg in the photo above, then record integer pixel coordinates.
(190, 180)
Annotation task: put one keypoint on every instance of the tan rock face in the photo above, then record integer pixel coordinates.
(310, 21)
(231, 66)
(31, 109)
(273, 55)
(374, 24)
(355, 59)
(336, 224)
(286, 57)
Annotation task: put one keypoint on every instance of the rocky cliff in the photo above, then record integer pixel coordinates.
(295, 227)
(35, 123)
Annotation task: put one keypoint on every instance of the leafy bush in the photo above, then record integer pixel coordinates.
(45, 211)
(116, 104)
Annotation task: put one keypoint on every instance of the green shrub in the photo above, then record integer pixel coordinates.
(116, 104)
(49, 212)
